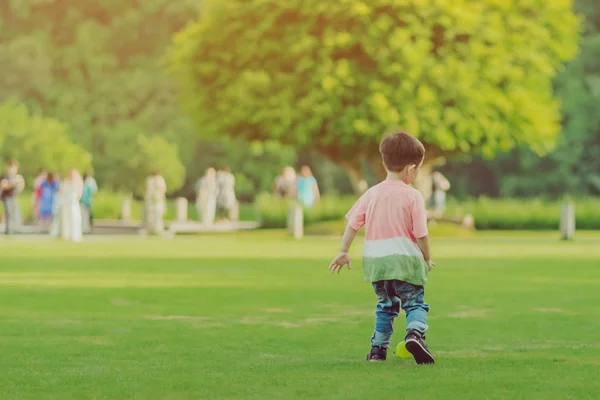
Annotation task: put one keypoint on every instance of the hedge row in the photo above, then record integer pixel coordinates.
(526, 214)
(489, 214)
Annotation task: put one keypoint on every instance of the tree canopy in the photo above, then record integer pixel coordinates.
(335, 75)
(573, 167)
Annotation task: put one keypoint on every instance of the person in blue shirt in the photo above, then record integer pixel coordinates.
(48, 199)
(90, 187)
(307, 188)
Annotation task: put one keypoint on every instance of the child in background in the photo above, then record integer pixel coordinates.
(396, 257)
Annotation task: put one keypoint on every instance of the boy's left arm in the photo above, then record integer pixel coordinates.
(420, 231)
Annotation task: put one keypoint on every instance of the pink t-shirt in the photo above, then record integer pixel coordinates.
(394, 217)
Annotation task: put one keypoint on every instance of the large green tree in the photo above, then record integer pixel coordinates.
(462, 75)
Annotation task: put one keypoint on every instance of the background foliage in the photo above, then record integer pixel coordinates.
(97, 69)
(574, 165)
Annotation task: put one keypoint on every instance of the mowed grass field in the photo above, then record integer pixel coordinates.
(257, 316)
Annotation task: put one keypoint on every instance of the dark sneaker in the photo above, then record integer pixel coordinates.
(378, 353)
(415, 344)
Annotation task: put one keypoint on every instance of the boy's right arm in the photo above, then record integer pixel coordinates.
(356, 220)
(343, 258)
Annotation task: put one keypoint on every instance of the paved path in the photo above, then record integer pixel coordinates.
(117, 227)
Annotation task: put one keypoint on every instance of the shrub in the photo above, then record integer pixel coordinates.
(489, 214)
(273, 211)
(525, 214)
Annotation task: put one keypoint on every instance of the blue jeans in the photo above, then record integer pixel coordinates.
(391, 296)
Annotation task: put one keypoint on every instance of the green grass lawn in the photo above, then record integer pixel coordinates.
(256, 316)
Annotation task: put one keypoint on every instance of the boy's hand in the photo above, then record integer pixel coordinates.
(430, 264)
(339, 261)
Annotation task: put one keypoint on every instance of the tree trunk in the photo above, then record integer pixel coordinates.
(377, 167)
(356, 178)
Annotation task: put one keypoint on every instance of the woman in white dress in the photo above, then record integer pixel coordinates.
(156, 191)
(70, 211)
(206, 197)
(226, 200)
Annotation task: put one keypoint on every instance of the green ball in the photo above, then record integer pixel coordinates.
(401, 351)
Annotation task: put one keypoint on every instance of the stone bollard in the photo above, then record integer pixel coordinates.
(181, 208)
(296, 221)
(468, 222)
(567, 221)
(126, 209)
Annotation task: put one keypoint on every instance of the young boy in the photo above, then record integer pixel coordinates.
(396, 257)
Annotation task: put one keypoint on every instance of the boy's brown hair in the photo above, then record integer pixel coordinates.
(401, 150)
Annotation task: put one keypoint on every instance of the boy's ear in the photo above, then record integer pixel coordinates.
(411, 168)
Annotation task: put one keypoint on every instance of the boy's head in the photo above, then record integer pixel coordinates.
(402, 153)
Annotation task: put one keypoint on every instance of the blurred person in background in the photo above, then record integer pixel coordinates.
(226, 200)
(307, 187)
(285, 184)
(155, 203)
(206, 196)
(35, 195)
(70, 210)
(47, 194)
(11, 185)
(90, 187)
(440, 185)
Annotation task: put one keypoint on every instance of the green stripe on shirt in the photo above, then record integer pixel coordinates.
(411, 269)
